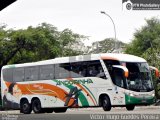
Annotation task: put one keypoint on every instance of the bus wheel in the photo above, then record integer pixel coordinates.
(60, 110)
(106, 104)
(130, 107)
(36, 106)
(25, 107)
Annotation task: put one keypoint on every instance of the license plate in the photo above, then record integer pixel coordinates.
(144, 101)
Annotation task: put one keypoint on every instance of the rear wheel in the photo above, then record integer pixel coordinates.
(25, 107)
(36, 106)
(60, 110)
(106, 104)
(130, 107)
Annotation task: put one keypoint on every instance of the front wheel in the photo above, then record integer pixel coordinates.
(36, 106)
(130, 107)
(106, 104)
(25, 107)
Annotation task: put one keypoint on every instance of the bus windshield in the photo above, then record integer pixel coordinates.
(139, 77)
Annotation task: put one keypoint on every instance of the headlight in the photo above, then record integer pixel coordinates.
(153, 94)
(131, 94)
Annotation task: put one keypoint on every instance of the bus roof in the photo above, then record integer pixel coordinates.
(104, 56)
(122, 57)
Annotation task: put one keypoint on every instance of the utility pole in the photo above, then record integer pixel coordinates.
(115, 44)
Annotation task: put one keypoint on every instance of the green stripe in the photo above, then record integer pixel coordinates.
(81, 96)
(90, 93)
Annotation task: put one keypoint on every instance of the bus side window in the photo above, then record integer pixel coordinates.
(78, 69)
(31, 73)
(62, 71)
(46, 72)
(18, 74)
(101, 73)
(95, 69)
(8, 74)
(109, 64)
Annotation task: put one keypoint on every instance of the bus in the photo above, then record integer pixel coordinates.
(99, 80)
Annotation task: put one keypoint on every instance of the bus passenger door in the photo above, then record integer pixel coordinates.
(119, 79)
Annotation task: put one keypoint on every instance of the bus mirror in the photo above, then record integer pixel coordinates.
(125, 70)
(126, 74)
(154, 69)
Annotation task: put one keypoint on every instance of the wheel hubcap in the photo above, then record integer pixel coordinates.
(37, 107)
(105, 102)
(25, 106)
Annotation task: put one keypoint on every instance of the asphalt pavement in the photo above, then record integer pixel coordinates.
(140, 113)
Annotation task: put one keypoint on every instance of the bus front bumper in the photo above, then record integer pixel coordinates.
(139, 100)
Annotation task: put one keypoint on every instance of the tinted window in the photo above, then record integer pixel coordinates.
(139, 78)
(95, 69)
(62, 71)
(18, 74)
(31, 73)
(87, 69)
(109, 64)
(46, 72)
(8, 74)
(118, 78)
(78, 69)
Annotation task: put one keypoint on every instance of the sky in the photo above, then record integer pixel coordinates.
(81, 16)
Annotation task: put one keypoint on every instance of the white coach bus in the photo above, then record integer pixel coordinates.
(106, 80)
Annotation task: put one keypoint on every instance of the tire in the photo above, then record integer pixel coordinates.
(130, 107)
(106, 104)
(36, 106)
(60, 110)
(25, 107)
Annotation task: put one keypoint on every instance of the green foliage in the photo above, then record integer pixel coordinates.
(35, 43)
(145, 38)
(146, 44)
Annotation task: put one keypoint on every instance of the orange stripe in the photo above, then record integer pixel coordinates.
(108, 58)
(43, 89)
(83, 90)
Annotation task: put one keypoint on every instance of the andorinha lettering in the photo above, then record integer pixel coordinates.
(71, 82)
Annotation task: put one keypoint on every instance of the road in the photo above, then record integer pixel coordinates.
(140, 113)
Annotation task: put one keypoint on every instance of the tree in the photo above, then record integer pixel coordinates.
(106, 46)
(146, 44)
(35, 44)
(146, 37)
(68, 41)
